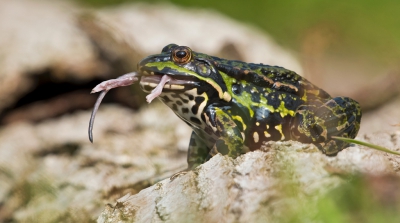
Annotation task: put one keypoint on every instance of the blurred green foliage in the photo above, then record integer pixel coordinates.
(361, 198)
(358, 27)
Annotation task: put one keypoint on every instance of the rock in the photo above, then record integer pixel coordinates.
(40, 36)
(255, 187)
(51, 168)
(386, 118)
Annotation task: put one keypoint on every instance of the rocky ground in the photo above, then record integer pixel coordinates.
(53, 53)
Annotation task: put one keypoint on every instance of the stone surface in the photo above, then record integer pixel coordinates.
(255, 187)
(384, 119)
(51, 168)
(39, 36)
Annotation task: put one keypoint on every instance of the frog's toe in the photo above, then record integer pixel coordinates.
(332, 147)
(344, 117)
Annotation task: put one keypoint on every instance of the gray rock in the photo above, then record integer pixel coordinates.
(255, 187)
(38, 36)
(51, 172)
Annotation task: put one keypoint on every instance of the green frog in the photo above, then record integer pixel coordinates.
(234, 106)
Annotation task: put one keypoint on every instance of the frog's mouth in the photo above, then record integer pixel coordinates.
(165, 81)
(159, 82)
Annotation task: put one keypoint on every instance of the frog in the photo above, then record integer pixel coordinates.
(233, 107)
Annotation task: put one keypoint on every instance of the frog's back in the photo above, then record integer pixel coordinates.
(274, 77)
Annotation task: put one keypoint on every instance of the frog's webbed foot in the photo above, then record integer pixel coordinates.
(317, 121)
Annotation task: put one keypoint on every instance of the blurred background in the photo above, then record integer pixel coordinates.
(53, 52)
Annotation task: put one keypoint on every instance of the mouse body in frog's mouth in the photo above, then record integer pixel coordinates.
(154, 84)
(151, 83)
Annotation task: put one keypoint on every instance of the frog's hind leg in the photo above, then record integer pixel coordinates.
(317, 121)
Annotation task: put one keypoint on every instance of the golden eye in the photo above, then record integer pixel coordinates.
(182, 54)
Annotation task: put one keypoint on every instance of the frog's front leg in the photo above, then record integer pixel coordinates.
(198, 152)
(230, 139)
(317, 121)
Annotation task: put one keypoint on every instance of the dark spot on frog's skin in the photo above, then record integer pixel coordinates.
(179, 103)
(191, 97)
(195, 120)
(185, 110)
(275, 134)
(203, 117)
(175, 95)
(266, 71)
(273, 99)
(195, 109)
(236, 89)
(255, 97)
(225, 119)
(165, 99)
(198, 101)
(272, 119)
(174, 107)
(316, 131)
(291, 102)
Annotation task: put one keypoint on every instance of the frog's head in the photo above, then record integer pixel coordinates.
(178, 69)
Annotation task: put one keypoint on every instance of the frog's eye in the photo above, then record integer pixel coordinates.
(182, 54)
